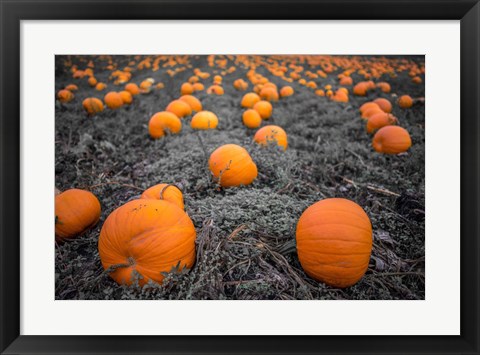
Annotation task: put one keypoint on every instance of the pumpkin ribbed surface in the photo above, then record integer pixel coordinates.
(231, 165)
(165, 192)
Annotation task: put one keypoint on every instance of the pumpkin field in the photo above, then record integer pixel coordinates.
(239, 177)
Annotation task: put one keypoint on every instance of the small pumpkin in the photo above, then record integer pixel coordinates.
(92, 81)
(286, 91)
(251, 118)
(271, 134)
(92, 105)
(100, 86)
(379, 120)
(148, 237)
(167, 192)
(391, 140)
(132, 89)
(231, 165)
(334, 242)
(162, 123)
(65, 96)
(368, 105)
(215, 89)
(250, 99)
(194, 103)
(198, 87)
(76, 211)
(269, 93)
(186, 89)
(71, 87)
(179, 108)
(405, 101)
(369, 112)
(384, 104)
(113, 100)
(204, 120)
(126, 96)
(264, 108)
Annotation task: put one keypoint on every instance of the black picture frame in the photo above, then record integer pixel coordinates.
(13, 12)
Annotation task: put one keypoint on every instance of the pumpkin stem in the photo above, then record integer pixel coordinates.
(166, 187)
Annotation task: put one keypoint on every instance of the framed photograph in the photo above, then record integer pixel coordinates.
(236, 177)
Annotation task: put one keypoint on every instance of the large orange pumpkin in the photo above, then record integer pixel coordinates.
(76, 211)
(204, 120)
(271, 134)
(148, 237)
(391, 140)
(334, 242)
(162, 123)
(167, 192)
(231, 165)
(92, 105)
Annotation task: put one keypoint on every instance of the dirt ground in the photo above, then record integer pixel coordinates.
(246, 235)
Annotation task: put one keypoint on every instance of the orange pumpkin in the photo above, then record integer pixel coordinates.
(405, 101)
(194, 103)
(385, 87)
(167, 192)
(264, 108)
(286, 91)
(65, 96)
(379, 120)
(92, 105)
(179, 108)
(215, 89)
(334, 242)
(360, 89)
(132, 88)
(198, 87)
(391, 140)
(76, 211)
(271, 134)
(92, 81)
(371, 111)
(126, 96)
(113, 100)
(269, 93)
(186, 89)
(148, 237)
(231, 165)
(71, 87)
(162, 123)
(251, 118)
(250, 99)
(204, 120)
(368, 105)
(100, 86)
(384, 104)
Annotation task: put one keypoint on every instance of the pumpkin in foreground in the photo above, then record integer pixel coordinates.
(231, 165)
(334, 242)
(271, 134)
(391, 140)
(167, 192)
(147, 237)
(76, 211)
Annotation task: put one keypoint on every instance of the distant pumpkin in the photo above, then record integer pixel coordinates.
(271, 134)
(92, 81)
(286, 91)
(204, 120)
(215, 89)
(186, 89)
(379, 120)
(231, 165)
(76, 211)
(100, 86)
(251, 118)
(162, 123)
(65, 96)
(92, 105)
(113, 100)
(167, 192)
(391, 140)
(334, 242)
(148, 237)
(264, 108)
(250, 99)
(384, 104)
(127, 97)
(405, 101)
(194, 103)
(132, 89)
(269, 93)
(179, 108)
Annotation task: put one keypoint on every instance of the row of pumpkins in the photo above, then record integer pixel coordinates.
(152, 235)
